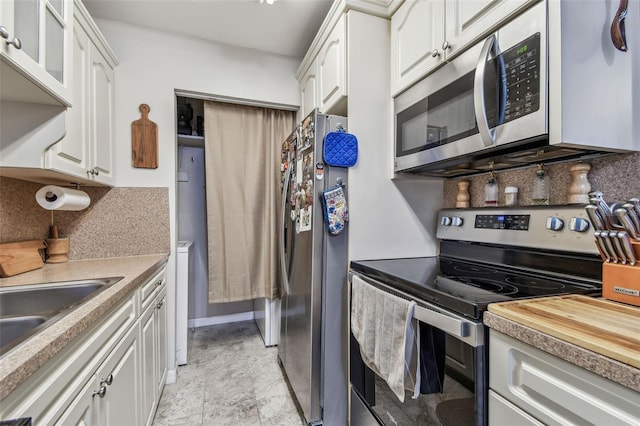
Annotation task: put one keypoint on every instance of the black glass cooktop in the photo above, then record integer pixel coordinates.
(464, 287)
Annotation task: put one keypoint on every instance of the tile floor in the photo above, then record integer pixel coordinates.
(230, 378)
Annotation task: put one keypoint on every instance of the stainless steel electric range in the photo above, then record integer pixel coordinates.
(486, 256)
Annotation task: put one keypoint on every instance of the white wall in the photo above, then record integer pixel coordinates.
(387, 218)
(152, 66)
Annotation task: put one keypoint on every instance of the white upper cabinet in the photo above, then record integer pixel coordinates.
(469, 20)
(417, 31)
(308, 90)
(427, 33)
(332, 68)
(324, 84)
(35, 51)
(86, 151)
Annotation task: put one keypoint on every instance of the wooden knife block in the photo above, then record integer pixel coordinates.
(622, 282)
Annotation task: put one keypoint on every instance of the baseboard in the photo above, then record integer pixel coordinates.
(221, 319)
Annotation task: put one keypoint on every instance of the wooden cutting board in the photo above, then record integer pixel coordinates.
(608, 328)
(19, 257)
(144, 141)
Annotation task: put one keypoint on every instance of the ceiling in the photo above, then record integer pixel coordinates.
(286, 27)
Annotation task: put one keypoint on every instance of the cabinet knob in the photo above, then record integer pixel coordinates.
(446, 45)
(159, 305)
(96, 171)
(435, 53)
(159, 283)
(4, 33)
(107, 381)
(91, 172)
(101, 392)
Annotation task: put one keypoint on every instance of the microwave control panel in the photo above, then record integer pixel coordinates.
(522, 74)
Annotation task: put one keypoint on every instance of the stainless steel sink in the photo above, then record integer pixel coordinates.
(26, 310)
(15, 327)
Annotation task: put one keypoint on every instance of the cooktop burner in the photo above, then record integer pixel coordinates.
(464, 287)
(489, 285)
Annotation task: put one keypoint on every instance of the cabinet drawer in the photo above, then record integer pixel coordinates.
(554, 391)
(45, 394)
(148, 290)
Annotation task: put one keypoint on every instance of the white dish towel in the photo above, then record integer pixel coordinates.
(384, 326)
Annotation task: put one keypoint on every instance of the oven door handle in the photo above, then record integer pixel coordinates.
(469, 332)
(487, 134)
(450, 325)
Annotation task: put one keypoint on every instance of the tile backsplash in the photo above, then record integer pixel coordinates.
(119, 221)
(617, 176)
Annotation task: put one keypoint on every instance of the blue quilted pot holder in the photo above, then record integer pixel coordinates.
(340, 149)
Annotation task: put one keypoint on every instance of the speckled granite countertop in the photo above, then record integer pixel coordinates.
(17, 365)
(601, 365)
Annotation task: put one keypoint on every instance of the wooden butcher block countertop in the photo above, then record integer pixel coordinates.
(597, 334)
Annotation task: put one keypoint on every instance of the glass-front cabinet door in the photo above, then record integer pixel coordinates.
(36, 50)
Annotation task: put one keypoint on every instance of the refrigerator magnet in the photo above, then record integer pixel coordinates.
(319, 171)
(305, 219)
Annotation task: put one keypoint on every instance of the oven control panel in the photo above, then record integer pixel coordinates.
(564, 228)
(517, 222)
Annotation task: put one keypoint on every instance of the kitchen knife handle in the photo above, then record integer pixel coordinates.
(609, 245)
(636, 204)
(604, 253)
(596, 221)
(627, 224)
(625, 242)
(631, 211)
(615, 241)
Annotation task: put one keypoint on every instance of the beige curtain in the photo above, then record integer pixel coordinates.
(242, 160)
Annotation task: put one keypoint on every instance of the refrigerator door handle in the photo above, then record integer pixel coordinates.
(283, 205)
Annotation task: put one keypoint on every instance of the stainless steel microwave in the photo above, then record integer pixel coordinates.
(511, 99)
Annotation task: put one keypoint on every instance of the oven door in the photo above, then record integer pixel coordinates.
(464, 397)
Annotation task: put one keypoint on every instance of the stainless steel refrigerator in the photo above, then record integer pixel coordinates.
(314, 329)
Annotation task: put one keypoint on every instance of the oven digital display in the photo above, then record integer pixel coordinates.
(516, 222)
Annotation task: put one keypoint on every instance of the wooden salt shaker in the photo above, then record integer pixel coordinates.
(579, 188)
(462, 198)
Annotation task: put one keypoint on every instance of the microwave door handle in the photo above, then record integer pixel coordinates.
(487, 134)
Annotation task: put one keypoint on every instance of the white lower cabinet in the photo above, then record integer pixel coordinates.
(531, 387)
(153, 328)
(110, 397)
(112, 375)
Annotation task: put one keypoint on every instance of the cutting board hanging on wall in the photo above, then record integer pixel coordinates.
(144, 141)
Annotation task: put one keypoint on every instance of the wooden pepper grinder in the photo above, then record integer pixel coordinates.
(462, 198)
(579, 187)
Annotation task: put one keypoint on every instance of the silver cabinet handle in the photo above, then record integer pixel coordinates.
(4, 33)
(435, 53)
(91, 172)
(107, 381)
(100, 392)
(96, 171)
(446, 45)
(159, 283)
(159, 305)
